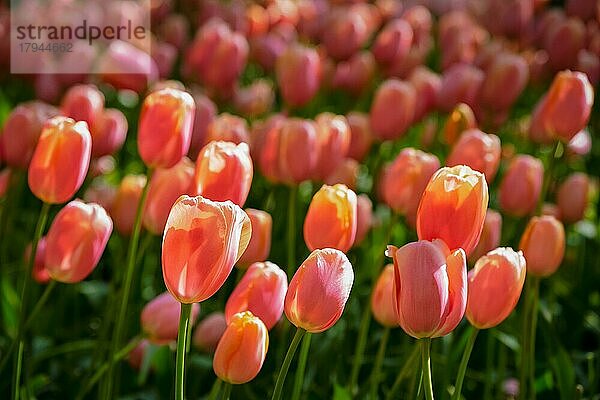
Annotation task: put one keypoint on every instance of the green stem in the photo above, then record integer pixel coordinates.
(375, 377)
(463, 363)
(299, 378)
(526, 324)
(425, 361)
(291, 232)
(182, 338)
(126, 290)
(39, 230)
(361, 344)
(216, 388)
(404, 372)
(556, 154)
(286, 363)
(532, 332)
(226, 391)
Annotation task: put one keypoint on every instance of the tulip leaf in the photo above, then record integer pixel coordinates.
(340, 393)
(10, 304)
(564, 373)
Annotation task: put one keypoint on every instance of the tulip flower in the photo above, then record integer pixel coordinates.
(393, 42)
(572, 197)
(427, 85)
(563, 40)
(521, 185)
(382, 298)
(297, 155)
(84, 103)
(110, 133)
(261, 291)
(581, 143)
(543, 245)
(209, 331)
(361, 136)
(490, 235)
(298, 72)
(461, 119)
(160, 318)
(356, 74)
(203, 239)
(125, 66)
(242, 349)
(76, 241)
(478, 150)
(453, 207)
(227, 128)
(224, 172)
(260, 242)
(333, 142)
(61, 160)
(165, 127)
(393, 109)
(344, 34)
(504, 81)
(206, 111)
(461, 83)
(39, 273)
(126, 201)
(256, 99)
(136, 356)
(345, 173)
(364, 217)
(331, 219)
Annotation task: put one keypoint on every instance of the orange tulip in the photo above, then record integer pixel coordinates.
(461, 119)
(453, 207)
(76, 241)
(202, 241)
(242, 349)
(166, 186)
(521, 185)
(430, 287)
(331, 219)
(333, 142)
(490, 235)
(224, 172)
(261, 291)
(495, 285)
(160, 318)
(543, 244)
(209, 331)
(84, 103)
(297, 155)
(61, 160)
(298, 72)
(126, 201)
(382, 299)
(165, 127)
(319, 290)
(260, 242)
(393, 109)
(110, 134)
(479, 151)
(572, 197)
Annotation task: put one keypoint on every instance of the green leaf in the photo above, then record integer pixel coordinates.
(564, 372)
(341, 393)
(10, 305)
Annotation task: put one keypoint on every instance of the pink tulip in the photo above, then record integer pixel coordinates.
(346, 173)
(504, 81)
(110, 134)
(572, 197)
(125, 203)
(393, 109)
(361, 136)
(125, 66)
(461, 83)
(260, 242)
(479, 151)
(382, 298)
(84, 103)
(344, 33)
(227, 128)
(39, 273)
(298, 73)
(333, 143)
(393, 42)
(209, 331)
(364, 217)
(427, 85)
(206, 111)
(160, 318)
(297, 150)
(521, 185)
(256, 99)
(490, 235)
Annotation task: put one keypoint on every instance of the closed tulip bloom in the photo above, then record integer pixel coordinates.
(427, 85)
(543, 245)
(297, 155)
(361, 136)
(331, 219)
(521, 185)
(242, 349)
(430, 287)
(76, 241)
(345, 33)
(565, 109)
(495, 285)
(84, 103)
(160, 318)
(298, 72)
(125, 202)
(453, 208)
(572, 197)
(256, 99)
(478, 150)
(203, 240)
(504, 81)
(61, 160)
(209, 331)
(333, 142)
(166, 186)
(228, 128)
(39, 273)
(345, 173)
(356, 74)
(393, 42)
(563, 40)
(102, 193)
(319, 290)
(460, 119)
(136, 356)
(461, 83)
(260, 242)
(382, 298)
(110, 134)
(393, 109)
(165, 127)
(206, 111)
(224, 172)
(261, 291)
(364, 217)
(125, 66)
(21, 131)
(490, 235)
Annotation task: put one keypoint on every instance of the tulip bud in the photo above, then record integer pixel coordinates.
(427, 85)
(227, 128)
(551, 209)
(393, 42)
(356, 74)
(242, 349)
(490, 235)
(127, 67)
(39, 273)
(361, 136)
(572, 197)
(461, 119)
(495, 285)
(346, 173)
(261, 291)
(521, 185)
(543, 245)
(256, 99)
(461, 83)
(84, 103)
(430, 287)
(136, 356)
(160, 318)
(206, 111)
(61, 160)
(297, 155)
(364, 217)
(110, 133)
(264, 145)
(125, 203)
(209, 331)
(165, 188)
(345, 33)
(333, 142)
(260, 242)
(326, 276)
(298, 72)
(382, 299)
(393, 109)
(76, 241)
(224, 172)
(453, 207)
(563, 41)
(479, 151)
(331, 219)
(504, 81)
(165, 127)
(203, 239)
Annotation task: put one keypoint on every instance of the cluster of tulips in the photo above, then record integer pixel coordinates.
(314, 113)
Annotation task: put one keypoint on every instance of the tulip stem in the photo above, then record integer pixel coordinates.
(291, 232)
(126, 289)
(216, 388)
(375, 377)
(532, 332)
(182, 339)
(404, 372)
(462, 369)
(425, 360)
(299, 378)
(286, 363)
(554, 156)
(39, 230)
(226, 391)
(361, 344)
